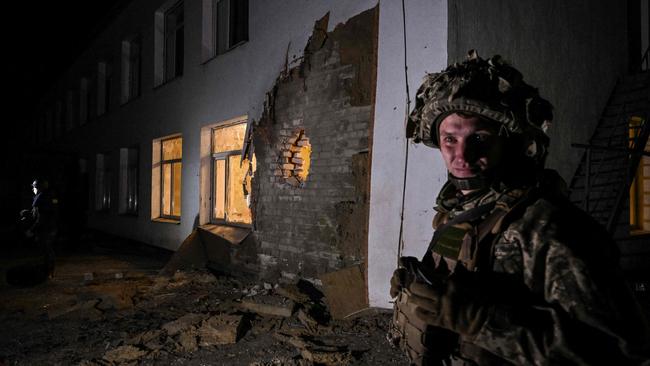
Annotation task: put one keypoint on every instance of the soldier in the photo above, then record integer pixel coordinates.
(40, 223)
(514, 274)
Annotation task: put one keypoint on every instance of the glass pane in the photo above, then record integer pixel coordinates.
(219, 203)
(228, 138)
(222, 26)
(166, 189)
(176, 206)
(172, 148)
(237, 206)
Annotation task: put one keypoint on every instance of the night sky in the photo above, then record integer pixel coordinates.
(44, 40)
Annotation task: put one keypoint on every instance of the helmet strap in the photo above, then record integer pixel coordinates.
(470, 184)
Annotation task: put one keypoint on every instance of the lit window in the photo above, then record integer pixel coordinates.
(640, 188)
(225, 25)
(103, 182)
(128, 181)
(230, 175)
(130, 69)
(166, 178)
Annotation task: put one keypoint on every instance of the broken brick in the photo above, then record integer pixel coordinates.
(283, 310)
(124, 353)
(182, 323)
(220, 329)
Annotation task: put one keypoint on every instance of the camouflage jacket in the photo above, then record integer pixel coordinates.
(578, 309)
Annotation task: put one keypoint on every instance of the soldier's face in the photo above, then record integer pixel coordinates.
(469, 145)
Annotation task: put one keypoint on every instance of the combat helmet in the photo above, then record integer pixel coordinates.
(491, 89)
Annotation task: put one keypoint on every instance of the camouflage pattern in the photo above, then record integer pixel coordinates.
(577, 308)
(490, 88)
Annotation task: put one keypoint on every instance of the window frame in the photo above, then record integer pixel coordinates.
(214, 157)
(103, 199)
(215, 44)
(169, 32)
(131, 69)
(129, 181)
(171, 162)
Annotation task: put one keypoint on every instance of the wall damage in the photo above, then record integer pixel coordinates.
(312, 142)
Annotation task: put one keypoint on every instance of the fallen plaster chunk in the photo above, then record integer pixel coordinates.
(220, 329)
(284, 310)
(183, 323)
(124, 353)
(292, 292)
(82, 310)
(345, 291)
(188, 340)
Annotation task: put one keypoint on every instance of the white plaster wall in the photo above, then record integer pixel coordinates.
(230, 85)
(426, 30)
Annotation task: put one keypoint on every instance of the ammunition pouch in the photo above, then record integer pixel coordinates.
(422, 343)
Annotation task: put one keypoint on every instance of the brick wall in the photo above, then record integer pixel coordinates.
(320, 224)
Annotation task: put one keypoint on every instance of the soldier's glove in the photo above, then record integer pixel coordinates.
(461, 304)
(403, 275)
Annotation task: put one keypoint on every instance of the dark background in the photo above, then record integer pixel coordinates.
(40, 41)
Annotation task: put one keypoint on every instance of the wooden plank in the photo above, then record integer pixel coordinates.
(345, 291)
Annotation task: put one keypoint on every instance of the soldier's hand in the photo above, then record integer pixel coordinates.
(457, 305)
(402, 276)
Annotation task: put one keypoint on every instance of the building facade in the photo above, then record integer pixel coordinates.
(279, 126)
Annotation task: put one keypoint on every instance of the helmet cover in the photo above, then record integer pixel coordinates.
(488, 88)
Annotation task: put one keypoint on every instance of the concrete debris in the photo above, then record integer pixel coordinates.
(183, 323)
(202, 321)
(124, 353)
(345, 291)
(82, 310)
(292, 292)
(259, 307)
(188, 340)
(317, 352)
(220, 329)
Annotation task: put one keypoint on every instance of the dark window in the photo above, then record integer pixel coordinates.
(174, 25)
(229, 23)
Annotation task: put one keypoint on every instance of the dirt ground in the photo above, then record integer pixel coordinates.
(107, 305)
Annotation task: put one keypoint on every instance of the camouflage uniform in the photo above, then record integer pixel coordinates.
(574, 308)
(515, 273)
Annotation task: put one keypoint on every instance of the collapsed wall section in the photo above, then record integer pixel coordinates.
(310, 190)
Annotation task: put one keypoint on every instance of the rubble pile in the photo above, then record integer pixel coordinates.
(192, 318)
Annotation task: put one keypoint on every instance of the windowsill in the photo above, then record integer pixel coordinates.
(638, 232)
(166, 220)
(216, 55)
(233, 234)
(131, 100)
(165, 82)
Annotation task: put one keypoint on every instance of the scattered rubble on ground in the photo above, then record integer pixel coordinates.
(189, 318)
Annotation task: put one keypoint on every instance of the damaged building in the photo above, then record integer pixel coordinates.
(266, 139)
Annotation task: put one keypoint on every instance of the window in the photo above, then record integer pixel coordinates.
(229, 175)
(130, 70)
(49, 124)
(69, 110)
(640, 188)
(83, 101)
(103, 87)
(128, 181)
(166, 178)
(225, 25)
(174, 27)
(103, 182)
(58, 118)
